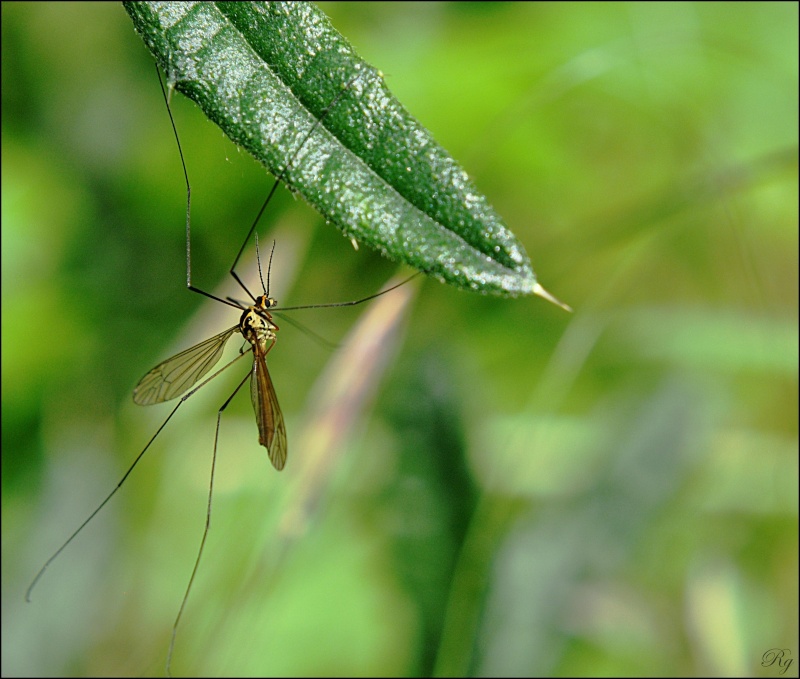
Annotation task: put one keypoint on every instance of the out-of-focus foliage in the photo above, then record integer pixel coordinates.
(530, 492)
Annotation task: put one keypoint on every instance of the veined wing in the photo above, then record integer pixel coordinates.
(271, 427)
(175, 375)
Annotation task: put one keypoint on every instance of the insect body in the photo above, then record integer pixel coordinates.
(258, 328)
(174, 376)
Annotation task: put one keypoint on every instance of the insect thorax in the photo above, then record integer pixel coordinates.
(256, 323)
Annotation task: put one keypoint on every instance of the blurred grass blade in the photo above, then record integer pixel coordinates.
(266, 72)
(341, 395)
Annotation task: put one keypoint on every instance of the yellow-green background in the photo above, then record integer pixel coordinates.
(530, 492)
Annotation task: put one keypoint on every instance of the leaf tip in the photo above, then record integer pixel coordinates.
(539, 290)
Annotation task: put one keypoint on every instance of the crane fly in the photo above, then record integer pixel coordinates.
(185, 373)
(179, 373)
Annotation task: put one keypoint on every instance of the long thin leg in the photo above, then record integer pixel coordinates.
(352, 303)
(188, 204)
(184, 398)
(271, 193)
(207, 526)
(282, 174)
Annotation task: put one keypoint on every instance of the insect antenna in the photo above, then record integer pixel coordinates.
(265, 288)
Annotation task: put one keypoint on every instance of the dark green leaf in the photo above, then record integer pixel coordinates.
(267, 72)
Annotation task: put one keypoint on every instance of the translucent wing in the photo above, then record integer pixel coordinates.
(175, 375)
(271, 427)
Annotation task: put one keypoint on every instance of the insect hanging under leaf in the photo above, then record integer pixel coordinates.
(184, 374)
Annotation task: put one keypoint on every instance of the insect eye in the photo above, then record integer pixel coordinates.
(264, 302)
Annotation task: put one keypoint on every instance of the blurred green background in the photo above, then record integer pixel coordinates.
(528, 492)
